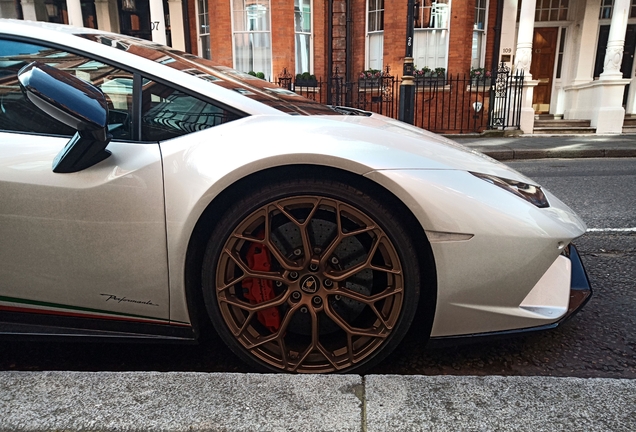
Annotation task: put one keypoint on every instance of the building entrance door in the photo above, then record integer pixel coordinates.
(542, 68)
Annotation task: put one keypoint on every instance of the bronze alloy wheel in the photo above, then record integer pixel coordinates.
(308, 283)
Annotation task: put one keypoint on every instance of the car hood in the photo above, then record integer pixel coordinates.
(415, 148)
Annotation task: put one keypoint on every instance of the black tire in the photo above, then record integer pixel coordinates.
(329, 296)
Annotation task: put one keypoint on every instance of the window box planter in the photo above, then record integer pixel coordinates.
(370, 83)
(481, 82)
(306, 83)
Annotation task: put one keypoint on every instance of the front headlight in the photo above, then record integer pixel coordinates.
(531, 193)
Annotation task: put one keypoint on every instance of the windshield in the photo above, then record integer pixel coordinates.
(248, 85)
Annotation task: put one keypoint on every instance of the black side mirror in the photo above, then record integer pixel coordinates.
(75, 103)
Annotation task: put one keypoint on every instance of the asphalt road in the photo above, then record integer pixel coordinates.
(598, 342)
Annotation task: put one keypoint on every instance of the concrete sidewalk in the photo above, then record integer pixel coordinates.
(542, 146)
(153, 401)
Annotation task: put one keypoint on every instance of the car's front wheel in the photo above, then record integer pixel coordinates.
(310, 276)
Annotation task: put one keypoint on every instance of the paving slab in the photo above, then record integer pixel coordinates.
(494, 403)
(154, 401)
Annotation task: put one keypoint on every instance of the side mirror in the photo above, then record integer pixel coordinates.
(75, 103)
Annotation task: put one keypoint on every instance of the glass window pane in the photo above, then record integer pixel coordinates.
(168, 113)
(303, 53)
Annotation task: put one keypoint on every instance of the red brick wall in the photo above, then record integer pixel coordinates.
(395, 35)
(192, 17)
(461, 25)
(320, 39)
(282, 33)
(461, 36)
(359, 12)
(220, 31)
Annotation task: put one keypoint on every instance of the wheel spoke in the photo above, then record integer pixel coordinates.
(314, 339)
(252, 308)
(351, 331)
(368, 300)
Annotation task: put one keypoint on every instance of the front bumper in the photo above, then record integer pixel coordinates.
(580, 294)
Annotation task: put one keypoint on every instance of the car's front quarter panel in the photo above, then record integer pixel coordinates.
(481, 281)
(198, 167)
(501, 247)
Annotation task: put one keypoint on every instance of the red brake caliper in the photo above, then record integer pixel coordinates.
(260, 290)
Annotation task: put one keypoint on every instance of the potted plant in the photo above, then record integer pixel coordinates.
(260, 75)
(439, 74)
(420, 74)
(480, 76)
(306, 79)
(370, 78)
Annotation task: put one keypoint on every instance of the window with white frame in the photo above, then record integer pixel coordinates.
(375, 34)
(252, 36)
(430, 42)
(479, 34)
(302, 28)
(203, 28)
(551, 10)
(607, 6)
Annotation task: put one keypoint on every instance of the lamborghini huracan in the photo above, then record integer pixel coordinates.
(144, 191)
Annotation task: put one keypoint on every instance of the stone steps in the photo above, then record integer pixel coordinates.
(562, 127)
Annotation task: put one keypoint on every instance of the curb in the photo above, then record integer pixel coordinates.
(503, 154)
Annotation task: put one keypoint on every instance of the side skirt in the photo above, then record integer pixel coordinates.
(29, 326)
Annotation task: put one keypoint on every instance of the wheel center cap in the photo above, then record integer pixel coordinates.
(310, 284)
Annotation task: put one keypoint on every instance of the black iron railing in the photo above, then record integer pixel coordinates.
(449, 104)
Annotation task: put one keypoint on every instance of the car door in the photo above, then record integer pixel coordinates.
(90, 243)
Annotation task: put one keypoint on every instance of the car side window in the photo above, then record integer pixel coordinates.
(18, 114)
(168, 113)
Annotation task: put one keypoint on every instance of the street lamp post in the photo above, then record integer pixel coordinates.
(407, 88)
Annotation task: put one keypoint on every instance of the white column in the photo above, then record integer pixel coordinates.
(34, 10)
(587, 38)
(508, 30)
(523, 56)
(177, 33)
(157, 21)
(74, 9)
(523, 60)
(102, 10)
(616, 41)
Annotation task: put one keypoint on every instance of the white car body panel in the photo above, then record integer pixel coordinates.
(99, 232)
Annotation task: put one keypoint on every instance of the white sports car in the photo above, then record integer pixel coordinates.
(144, 190)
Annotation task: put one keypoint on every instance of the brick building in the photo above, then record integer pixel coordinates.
(350, 35)
(577, 55)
